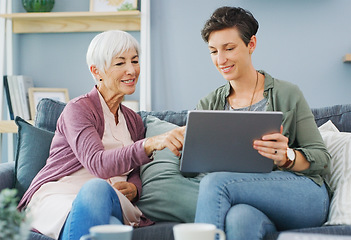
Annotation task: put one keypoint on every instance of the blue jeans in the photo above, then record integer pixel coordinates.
(97, 203)
(249, 205)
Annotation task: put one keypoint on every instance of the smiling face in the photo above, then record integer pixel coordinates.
(121, 77)
(229, 53)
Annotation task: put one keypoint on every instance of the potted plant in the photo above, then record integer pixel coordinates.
(13, 224)
(38, 5)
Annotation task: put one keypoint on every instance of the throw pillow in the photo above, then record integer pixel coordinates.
(33, 145)
(339, 146)
(167, 195)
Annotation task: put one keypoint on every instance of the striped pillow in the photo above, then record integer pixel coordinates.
(339, 146)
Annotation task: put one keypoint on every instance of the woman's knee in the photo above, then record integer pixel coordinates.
(94, 188)
(243, 214)
(96, 185)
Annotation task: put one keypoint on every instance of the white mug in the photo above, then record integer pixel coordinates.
(197, 231)
(109, 232)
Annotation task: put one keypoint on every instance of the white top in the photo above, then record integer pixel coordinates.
(51, 204)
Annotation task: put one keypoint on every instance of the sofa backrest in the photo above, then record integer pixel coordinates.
(340, 115)
(177, 118)
(49, 110)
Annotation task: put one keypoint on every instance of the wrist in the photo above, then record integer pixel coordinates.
(150, 152)
(290, 159)
(287, 164)
(291, 166)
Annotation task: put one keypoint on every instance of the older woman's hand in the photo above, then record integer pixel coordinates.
(273, 146)
(127, 189)
(173, 140)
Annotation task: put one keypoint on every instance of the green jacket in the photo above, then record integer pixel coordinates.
(298, 121)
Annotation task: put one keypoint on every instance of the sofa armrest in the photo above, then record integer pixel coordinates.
(7, 175)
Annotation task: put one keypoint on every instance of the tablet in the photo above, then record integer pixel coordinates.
(222, 141)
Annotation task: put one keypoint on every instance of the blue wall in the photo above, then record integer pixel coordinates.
(301, 41)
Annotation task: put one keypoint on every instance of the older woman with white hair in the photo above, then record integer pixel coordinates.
(92, 174)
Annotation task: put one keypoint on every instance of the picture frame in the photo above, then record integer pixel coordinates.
(36, 94)
(112, 5)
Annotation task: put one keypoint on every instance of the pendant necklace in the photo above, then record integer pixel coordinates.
(253, 94)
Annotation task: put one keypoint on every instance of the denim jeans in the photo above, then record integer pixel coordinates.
(97, 203)
(249, 205)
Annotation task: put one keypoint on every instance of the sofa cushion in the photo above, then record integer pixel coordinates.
(48, 111)
(158, 231)
(38, 236)
(339, 146)
(33, 145)
(167, 195)
(327, 230)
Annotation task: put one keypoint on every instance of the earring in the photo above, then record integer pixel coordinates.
(100, 80)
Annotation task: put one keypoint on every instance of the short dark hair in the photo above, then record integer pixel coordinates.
(230, 17)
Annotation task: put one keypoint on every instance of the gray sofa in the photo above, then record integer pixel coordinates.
(29, 159)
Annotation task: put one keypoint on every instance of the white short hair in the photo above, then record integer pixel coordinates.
(106, 45)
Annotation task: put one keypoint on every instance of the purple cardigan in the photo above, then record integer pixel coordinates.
(77, 143)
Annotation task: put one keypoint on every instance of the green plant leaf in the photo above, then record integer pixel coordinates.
(13, 224)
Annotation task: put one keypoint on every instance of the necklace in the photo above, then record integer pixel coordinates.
(253, 94)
